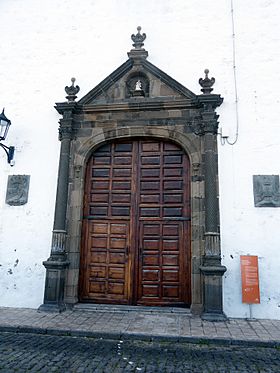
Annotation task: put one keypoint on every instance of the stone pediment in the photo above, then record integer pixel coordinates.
(138, 85)
(137, 79)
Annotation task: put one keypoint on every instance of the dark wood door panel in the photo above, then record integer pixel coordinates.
(136, 225)
(109, 182)
(106, 270)
(163, 264)
(106, 253)
(163, 181)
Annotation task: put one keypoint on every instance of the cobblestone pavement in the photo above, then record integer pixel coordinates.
(24, 353)
(114, 324)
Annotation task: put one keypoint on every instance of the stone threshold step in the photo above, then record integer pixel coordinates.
(91, 307)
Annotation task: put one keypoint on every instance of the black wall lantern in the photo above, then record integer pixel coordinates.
(4, 128)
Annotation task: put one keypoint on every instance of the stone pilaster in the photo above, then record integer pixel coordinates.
(211, 269)
(57, 262)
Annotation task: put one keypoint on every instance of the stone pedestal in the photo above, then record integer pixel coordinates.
(54, 286)
(213, 300)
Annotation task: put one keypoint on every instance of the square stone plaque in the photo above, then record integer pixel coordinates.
(17, 190)
(266, 190)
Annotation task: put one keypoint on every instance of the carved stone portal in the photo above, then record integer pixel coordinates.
(139, 101)
(17, 190)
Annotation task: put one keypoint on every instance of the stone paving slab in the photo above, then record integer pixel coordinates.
(141, 324)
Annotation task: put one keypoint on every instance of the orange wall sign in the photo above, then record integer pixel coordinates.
(250, 279)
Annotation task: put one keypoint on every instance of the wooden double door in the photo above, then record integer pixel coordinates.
(136, 225)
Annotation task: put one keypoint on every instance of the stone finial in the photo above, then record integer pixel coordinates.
(138, 39)
(72, 91)
(206, 83)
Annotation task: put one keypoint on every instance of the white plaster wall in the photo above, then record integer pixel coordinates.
(246, 229)
(45, 43)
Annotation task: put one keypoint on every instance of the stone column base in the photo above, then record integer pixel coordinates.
(213, 293)
(54, 288)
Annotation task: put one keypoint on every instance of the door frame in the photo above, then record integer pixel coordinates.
(81, 152)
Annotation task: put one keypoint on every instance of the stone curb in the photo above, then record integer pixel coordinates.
(141, 336)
